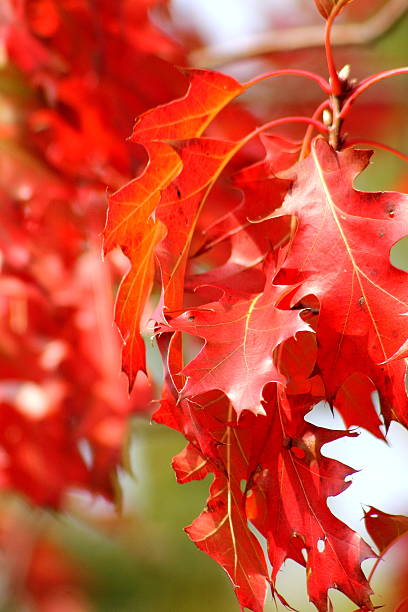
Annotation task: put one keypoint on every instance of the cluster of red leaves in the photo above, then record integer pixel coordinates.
(277, 292)
(276, 271)
(71, 99)
(37, 572)
(67, 103)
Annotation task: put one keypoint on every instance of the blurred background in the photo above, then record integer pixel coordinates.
(73, 447)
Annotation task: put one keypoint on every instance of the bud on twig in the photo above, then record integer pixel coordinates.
(327, 117)
(344, 73)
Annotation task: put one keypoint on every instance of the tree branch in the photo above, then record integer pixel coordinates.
(293, 39)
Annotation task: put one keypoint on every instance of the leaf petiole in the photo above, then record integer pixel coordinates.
(379, 145)
(282, 121)
(305, 150)
(323, 84)
(368, 82)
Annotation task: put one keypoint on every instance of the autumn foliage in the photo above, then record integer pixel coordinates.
(262, 272)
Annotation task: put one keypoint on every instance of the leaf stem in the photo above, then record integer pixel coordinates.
(282, 121)
(305, 150)
(368, 82)
(379, 145)
(323, 84)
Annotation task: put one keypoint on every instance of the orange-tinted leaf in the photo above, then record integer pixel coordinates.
(181, 203)
(188, 117)
(130, 223)
(130, 226)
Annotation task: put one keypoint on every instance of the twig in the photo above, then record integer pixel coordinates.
(292, 39)
(369, 82)
(336, 84)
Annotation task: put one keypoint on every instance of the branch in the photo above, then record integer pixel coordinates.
(293, 39)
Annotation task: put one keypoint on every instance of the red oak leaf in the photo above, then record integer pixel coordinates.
(341, 249)
(188, 116)
(384, 528)
(222, 529)
(130, 224)
(280, 154)
(290, 479)
(222, 532)
(341, 253)
(351, 364)
(249, 242)
(219, 446)
(278, 457)
(354, 401)
(181, 203)
(241, 336)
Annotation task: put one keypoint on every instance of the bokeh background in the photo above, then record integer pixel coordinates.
(73, 447)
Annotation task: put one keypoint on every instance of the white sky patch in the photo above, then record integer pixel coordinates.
(219, 21)
(380, 481)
